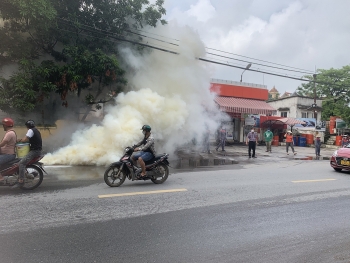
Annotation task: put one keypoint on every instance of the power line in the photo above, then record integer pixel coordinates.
(202, 59)
(257, 63)
(270, 71)
(125, 40)
(254, 70)
(69, 22)
(170, 43)
(259, 60)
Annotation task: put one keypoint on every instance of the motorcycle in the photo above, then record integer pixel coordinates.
(157, 169)
(33, 177)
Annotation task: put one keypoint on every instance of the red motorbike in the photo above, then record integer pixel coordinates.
(33, 177)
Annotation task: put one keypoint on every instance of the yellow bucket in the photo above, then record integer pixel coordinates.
(22, 149)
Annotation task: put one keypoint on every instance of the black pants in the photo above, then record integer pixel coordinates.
(251, 146)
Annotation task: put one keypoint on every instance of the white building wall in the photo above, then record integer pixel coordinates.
(292, 103)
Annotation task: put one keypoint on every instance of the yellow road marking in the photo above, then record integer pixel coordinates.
(311, 181)
(144, 193)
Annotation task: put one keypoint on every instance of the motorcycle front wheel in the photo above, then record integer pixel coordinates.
(33, 177)
(114, 176)
(162, 171)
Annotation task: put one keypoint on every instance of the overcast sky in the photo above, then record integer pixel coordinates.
(305, 34)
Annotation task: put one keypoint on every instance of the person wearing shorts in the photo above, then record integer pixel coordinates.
(144, 149)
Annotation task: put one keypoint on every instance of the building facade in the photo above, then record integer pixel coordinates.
(244, 103)
(296, 106)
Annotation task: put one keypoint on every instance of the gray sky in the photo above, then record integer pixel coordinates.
(304, 34)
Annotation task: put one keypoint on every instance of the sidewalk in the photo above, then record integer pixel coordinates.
(238, 153)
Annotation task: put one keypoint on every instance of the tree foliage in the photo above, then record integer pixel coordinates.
(333, 86)
(66, 46)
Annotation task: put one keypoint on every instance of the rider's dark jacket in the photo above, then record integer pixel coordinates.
(35, 141)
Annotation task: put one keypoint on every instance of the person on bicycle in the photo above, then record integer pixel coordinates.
(8, 143)
(33, 136)
(145, 149)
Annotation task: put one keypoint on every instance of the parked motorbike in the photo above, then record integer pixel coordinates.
(33, 177)
(157, 169)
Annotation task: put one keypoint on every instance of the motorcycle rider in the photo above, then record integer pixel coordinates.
(8, 143)
(33, 136)
(144, 148)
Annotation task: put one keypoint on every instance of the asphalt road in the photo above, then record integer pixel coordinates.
(290, 211)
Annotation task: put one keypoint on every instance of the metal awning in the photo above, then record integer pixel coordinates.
(240, 105)
(288, 121)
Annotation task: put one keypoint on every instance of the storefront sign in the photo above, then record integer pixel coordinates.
(252, 120)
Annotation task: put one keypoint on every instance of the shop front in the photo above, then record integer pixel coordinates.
(244, 103)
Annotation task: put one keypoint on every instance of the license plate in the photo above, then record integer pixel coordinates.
(344, 162)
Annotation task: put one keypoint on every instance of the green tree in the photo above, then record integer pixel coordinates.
(332, 85)
(66, 46)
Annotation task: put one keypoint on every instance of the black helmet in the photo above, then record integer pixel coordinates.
(146, 128)
(30, 124)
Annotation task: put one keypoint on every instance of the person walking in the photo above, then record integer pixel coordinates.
(268, 139)
(289, 142)
(318, 145)
(251, 141)
(222, 139)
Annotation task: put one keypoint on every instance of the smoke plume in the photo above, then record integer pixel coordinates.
(167, 91)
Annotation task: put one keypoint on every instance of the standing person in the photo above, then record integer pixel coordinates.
(145, 149)
(33, 136)
(344, 141)
(222, 139)
(8, 143)
(268, 138)
(206, 142)
(251, 141)
(318, 145)
(289, 142)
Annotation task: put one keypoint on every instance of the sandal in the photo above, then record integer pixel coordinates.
(142, 175)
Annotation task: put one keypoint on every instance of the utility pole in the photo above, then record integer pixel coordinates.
(315, 105)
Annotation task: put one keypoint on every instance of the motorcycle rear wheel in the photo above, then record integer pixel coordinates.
(33, 178)
(111, 178)
(164, 172)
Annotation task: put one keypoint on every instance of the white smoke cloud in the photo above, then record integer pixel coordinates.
(169, 92)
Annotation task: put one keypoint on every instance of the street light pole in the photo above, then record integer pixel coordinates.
(315, 111)
(247, 67)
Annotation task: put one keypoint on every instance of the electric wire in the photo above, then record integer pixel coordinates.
(126, 40)
(257, 63)
(107, 32)
(271, 71)
(311, 72)
(205, 60)
(170, 43)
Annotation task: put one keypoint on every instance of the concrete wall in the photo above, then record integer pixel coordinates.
(292, 103)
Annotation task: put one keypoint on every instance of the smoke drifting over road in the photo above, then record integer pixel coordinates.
(169, 92)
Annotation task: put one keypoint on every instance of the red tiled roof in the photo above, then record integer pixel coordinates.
(239, 105)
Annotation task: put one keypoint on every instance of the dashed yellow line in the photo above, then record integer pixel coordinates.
(311, 181)
(144, 193)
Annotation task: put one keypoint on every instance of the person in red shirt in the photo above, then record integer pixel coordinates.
(344, 141)
(289, 142)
